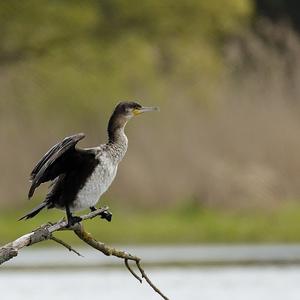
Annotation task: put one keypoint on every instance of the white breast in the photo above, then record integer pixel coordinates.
(96, 185)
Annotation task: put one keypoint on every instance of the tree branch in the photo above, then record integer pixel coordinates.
(59, 241)
(45, 232)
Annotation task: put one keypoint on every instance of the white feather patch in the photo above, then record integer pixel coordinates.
(97, 184)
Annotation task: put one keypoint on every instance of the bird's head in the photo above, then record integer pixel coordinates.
(122, 113)
(128, 110)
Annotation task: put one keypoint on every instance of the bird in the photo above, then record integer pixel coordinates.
(80, 176)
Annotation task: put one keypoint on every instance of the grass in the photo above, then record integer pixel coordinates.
(182, 225)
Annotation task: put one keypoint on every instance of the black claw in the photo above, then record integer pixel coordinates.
(93, 208)
(72, 220)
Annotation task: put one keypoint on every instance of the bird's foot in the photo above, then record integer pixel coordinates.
(107, 215)
(72, 220)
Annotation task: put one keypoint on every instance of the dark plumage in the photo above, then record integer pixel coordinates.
(57, 160)
(80, 176)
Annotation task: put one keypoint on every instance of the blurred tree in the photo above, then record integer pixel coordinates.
(32, 28)
(106, 45)
(65, 63)
(280, 10)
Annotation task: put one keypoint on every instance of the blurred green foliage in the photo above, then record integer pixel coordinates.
(81, 56)
(179, 225)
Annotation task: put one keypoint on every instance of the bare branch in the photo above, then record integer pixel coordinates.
(144, 275)
(87, 238)
(45, 232)
(131, 271)
(61, 242)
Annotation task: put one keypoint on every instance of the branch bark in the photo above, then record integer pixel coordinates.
(45, 232)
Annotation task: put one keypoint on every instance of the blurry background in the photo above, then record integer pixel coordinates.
(220, 162)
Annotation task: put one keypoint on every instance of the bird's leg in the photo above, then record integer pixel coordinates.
(71, 219)
(104, 215)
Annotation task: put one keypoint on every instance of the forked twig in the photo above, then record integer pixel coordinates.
(110, 251)
(132, 272)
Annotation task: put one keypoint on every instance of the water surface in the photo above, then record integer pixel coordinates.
(207, 283)
(54, 273)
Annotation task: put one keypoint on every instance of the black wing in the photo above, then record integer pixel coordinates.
(54, 162)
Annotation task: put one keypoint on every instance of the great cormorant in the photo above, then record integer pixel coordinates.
(80, 176)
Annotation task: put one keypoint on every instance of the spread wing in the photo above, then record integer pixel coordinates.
(55, 162)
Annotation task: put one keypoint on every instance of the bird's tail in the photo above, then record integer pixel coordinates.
(34, 212)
